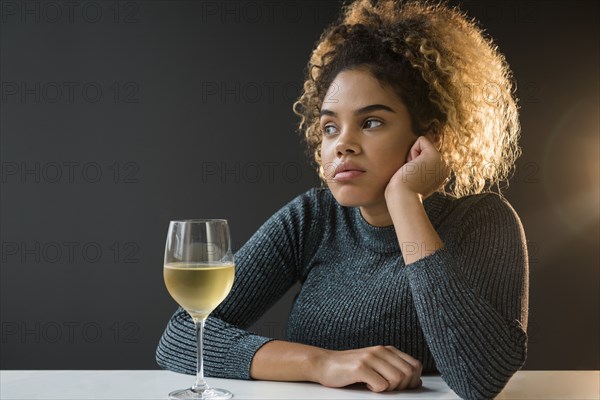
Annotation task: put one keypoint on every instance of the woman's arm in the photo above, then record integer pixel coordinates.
(470, 293)
(418, 178)
(382, 368)
(471, 297)
(416, 236)
(266, 267)
(286, 361)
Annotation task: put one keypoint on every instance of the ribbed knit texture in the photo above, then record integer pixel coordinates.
(461, 310)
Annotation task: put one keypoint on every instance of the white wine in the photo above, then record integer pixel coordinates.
(199, 287)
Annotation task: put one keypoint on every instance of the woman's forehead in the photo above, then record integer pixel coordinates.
(355, 89)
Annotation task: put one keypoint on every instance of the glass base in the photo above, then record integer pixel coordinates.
(208, 394)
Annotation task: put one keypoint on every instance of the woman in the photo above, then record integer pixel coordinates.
(408, 262)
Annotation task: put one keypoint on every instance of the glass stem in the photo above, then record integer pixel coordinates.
(200, 384)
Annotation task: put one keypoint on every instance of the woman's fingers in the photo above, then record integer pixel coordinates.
(381, 368)
(383, 363)
(415, 151)
(374, 380)
(409, 370)
(399, 369)
(417, 367)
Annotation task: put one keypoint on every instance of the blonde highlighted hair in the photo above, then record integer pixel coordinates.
(448, 73)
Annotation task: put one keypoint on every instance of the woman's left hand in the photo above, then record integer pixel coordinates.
(424, 172)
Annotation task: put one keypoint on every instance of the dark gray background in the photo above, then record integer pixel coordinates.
(120, 116)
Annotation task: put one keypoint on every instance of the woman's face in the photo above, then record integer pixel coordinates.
(369, 127)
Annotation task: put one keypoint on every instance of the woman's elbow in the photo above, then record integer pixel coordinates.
(487, 383)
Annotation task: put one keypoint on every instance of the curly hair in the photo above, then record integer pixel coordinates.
(445, 69)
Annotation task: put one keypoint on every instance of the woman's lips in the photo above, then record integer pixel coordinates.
(347, 175)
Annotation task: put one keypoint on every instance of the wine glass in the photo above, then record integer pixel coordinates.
(199, 272)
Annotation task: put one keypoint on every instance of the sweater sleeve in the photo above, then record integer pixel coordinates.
(471, 298)
(266, 267)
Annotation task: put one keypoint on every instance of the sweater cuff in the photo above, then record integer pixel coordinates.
(239, 357)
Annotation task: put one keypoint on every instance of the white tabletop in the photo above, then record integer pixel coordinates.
(153, 384)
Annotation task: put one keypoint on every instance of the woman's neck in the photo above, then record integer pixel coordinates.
(377, 214)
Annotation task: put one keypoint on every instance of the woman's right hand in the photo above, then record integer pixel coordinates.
(382, 368)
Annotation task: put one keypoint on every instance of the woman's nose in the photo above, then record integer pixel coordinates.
(348, 143)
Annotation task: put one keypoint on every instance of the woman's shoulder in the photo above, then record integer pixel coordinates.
(490, 201)
(482, 208)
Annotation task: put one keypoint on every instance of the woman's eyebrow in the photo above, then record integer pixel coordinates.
(363, 110)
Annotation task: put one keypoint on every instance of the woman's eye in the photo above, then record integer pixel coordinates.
(371, 121)
(328, 130)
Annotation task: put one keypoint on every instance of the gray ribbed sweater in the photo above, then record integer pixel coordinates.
(462, 310)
